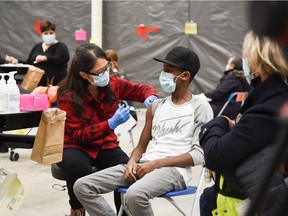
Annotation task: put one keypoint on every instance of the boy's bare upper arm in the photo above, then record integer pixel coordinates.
(146, 132)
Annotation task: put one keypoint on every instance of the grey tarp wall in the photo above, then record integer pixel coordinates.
(221, 28)
(17, 20)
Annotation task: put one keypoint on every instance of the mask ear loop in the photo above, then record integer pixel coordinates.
(179, 76)
(90, 81)
(88, 78)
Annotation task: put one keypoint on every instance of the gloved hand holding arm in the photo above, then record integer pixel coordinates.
(121, 115)
(149, 100)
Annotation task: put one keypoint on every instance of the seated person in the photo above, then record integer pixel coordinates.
(91, 98)
(227, 144)
(171, 130)
(233, 80)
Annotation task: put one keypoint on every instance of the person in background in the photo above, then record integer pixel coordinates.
(91, 98)
(115, 69)
(113, 56)
(171, 130)
(51, 55)
(227, 144)
(233, 80)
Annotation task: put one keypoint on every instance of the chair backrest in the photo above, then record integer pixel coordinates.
(238, 97)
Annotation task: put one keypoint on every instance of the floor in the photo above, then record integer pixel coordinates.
(42, 199)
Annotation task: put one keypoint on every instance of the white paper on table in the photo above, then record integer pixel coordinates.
(125, 127)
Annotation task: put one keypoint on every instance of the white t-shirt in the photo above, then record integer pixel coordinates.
(175, 131)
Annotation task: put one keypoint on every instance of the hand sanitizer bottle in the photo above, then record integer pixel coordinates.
(13, 93)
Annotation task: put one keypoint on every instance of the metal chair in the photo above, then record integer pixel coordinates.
(168, 196)
(238, 97)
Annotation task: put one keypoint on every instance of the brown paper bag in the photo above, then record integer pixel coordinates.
(48, 144)
(32, 78)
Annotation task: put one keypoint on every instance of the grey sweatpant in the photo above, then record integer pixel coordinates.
(88, 189)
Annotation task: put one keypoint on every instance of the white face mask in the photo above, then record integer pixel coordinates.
(227, 67)
(49, 38)
(101, 81)
(167, 81)
(246, 69)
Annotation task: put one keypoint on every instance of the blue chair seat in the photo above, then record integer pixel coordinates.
(168, 196)
(187, 191)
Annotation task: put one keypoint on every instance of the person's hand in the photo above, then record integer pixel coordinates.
(40, 58)
(130, 171)
(121, 115)
(11, 59)
(231, 122)
(149, 100)
(145, 168)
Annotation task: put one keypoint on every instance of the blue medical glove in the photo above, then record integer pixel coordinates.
(121, 115)
(149, 100)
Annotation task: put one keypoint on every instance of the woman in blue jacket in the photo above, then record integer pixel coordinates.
(227, 144)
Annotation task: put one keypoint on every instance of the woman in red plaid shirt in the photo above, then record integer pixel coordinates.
(91, 98)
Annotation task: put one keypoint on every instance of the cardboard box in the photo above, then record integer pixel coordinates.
(30, 102)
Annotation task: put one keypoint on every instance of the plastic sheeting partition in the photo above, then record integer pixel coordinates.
(221, 26)
(19, 17)
(221, 29)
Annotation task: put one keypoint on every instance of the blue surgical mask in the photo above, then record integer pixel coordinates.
(167, 81)
(48, 39)
(246, 70)
(101, 81)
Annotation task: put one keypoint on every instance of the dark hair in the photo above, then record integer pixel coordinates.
(237, 61)
(84, 60)
(47, 25)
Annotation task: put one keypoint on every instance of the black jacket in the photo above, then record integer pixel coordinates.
(225, 149)
(55, 66)
(231, 81)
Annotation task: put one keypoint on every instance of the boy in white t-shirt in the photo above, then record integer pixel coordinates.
(171, 130)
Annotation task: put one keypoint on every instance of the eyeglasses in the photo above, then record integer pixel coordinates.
(101, 72)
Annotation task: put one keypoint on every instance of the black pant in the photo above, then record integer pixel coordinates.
(77, 163)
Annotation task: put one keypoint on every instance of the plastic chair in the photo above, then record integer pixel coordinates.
(168, 196)
(238, 97)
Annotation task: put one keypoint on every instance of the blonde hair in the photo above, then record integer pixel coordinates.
(113, 57)
(264, 56)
